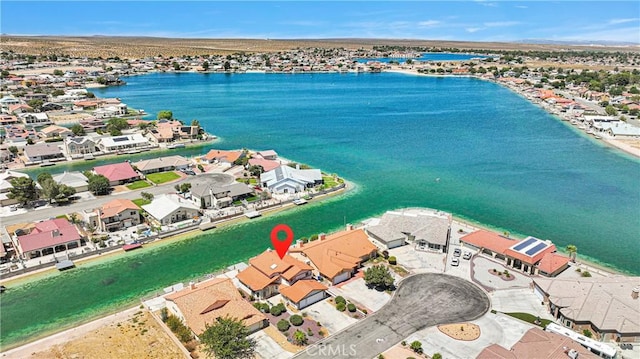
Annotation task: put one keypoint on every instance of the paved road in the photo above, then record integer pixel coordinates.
(44, 213)
(421, 301)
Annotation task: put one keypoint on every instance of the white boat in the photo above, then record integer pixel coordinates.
(299, 202)
(89, 156)
(175, 145)
(47, 164)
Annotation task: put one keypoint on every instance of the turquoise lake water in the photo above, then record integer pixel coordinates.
(501, 162)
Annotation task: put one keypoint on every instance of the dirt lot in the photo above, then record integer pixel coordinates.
(136, 47)
(139, 336)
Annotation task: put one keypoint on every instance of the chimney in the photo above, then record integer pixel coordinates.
(55, 233)
(635, 292)
(349, 227)
(192, 285)
(322, 236)
(297, 166)
(299, 243)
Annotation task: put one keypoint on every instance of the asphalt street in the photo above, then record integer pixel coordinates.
(421, 301)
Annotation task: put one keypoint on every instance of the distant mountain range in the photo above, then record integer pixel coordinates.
(578, 42)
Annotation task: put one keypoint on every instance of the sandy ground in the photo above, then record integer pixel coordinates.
(132, 333)
(629, 146)
(461, 331)
(50, 70)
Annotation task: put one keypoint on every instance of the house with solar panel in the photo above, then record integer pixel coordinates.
(530, 255)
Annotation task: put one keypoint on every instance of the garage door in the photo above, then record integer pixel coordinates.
(341, 277)
(538, 293)
(316, 297)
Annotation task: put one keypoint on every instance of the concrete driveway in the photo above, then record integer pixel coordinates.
(327, 315)
(421, 301)
(267, 348)
(358, 292)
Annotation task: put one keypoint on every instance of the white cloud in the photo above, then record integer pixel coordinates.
(486, 3)
(429, 23)
(474, 29)
(522, 6)
(501, 23)
(622, 21)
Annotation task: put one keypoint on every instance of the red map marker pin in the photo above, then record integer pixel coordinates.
(281, 246)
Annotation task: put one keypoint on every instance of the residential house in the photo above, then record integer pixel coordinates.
(93, 124)
(207, 195)
(7, 101)
(35, 119)
(162, 135)
(20, 134)
(606, 306)
(167, 209)
(267, 165)
(338, 256)
(5, 186)
(203, 303)
(118, 214)
(266, 272)
(43, 152)
(304, 292)
(537, 343)
(162, 164)
(427, 229)
(530, 255)
(268, 155)
(224, 157)
(55, 131)
(285, 179)
(78, 146)
(47, 237)
(118, 173)
(19, 108)
(123, 143)
(76, 180)
(8, 120)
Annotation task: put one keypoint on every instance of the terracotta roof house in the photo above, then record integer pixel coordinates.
(118, 214)
(285, 179)
(266, 272)
(428, 229)
(304, 292)
(339, 255)
(607, 306)
(267, 165)
(55, 131)
(223, 156)
(42, 152)
(267, 155)
(48, 237)
(162, 164)
(536, 343)
(117, 173)
(525, 255)
(203, 303)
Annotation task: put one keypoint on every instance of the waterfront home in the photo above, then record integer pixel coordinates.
(537, 343)
(203, 303)
(167, 209)
(19, 108)
(338, 256)
(34, 119)
(606, 306)
(55, 131)
(162, 164)
(117, 173)
(162, 135)
(224, 157)
(208, 195)
(123, 143)
(526, 255)
(7, 101)
(110, 111)
(19, 134)
(304, 292)
(267, 272)
(267, 155)
(47, 237)
(5, 186)
(8, 120)
(92, 124)
(118, 214)
(78, 146)
(42, 152)
(75, 180)
(267, 165)
(285, 179)
(427, 229)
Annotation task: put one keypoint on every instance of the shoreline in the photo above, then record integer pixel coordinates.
(616, 144)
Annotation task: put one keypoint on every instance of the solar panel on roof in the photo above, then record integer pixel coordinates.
(531, 252)
(120, 139)
(524, 244)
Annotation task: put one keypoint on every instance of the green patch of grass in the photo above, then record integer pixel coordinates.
(529, 318)
(162, 177)
(62, 216)
(138, 184)
(400, 271)
(329, 181)
(140, 202)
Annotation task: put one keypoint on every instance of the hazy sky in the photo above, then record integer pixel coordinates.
(481, 20)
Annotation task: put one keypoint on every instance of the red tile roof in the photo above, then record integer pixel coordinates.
(300, 289)
(551, 262)
(116, 206)
(489, 240)
(530, 259)
(229, 156)
(267, 165)
(117, 171)
(49, 234)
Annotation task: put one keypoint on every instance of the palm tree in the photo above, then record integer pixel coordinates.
(573, 250)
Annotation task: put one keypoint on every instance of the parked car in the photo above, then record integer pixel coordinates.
(456, 252)
(455, 262)
(467, 255)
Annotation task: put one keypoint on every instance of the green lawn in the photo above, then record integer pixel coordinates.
(162, 177)
(140, 202)
(530, 318)
(138, 184)
(329, 181)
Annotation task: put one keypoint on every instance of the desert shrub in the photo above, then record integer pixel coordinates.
(586, 274)
(283, 325)
(393, 260)
(339, 299)
(275, 310)
(164, 314)
(403, 343)
(341, 307)
(416, 346)
(351, 307)
(296, 320)
(264, 307)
